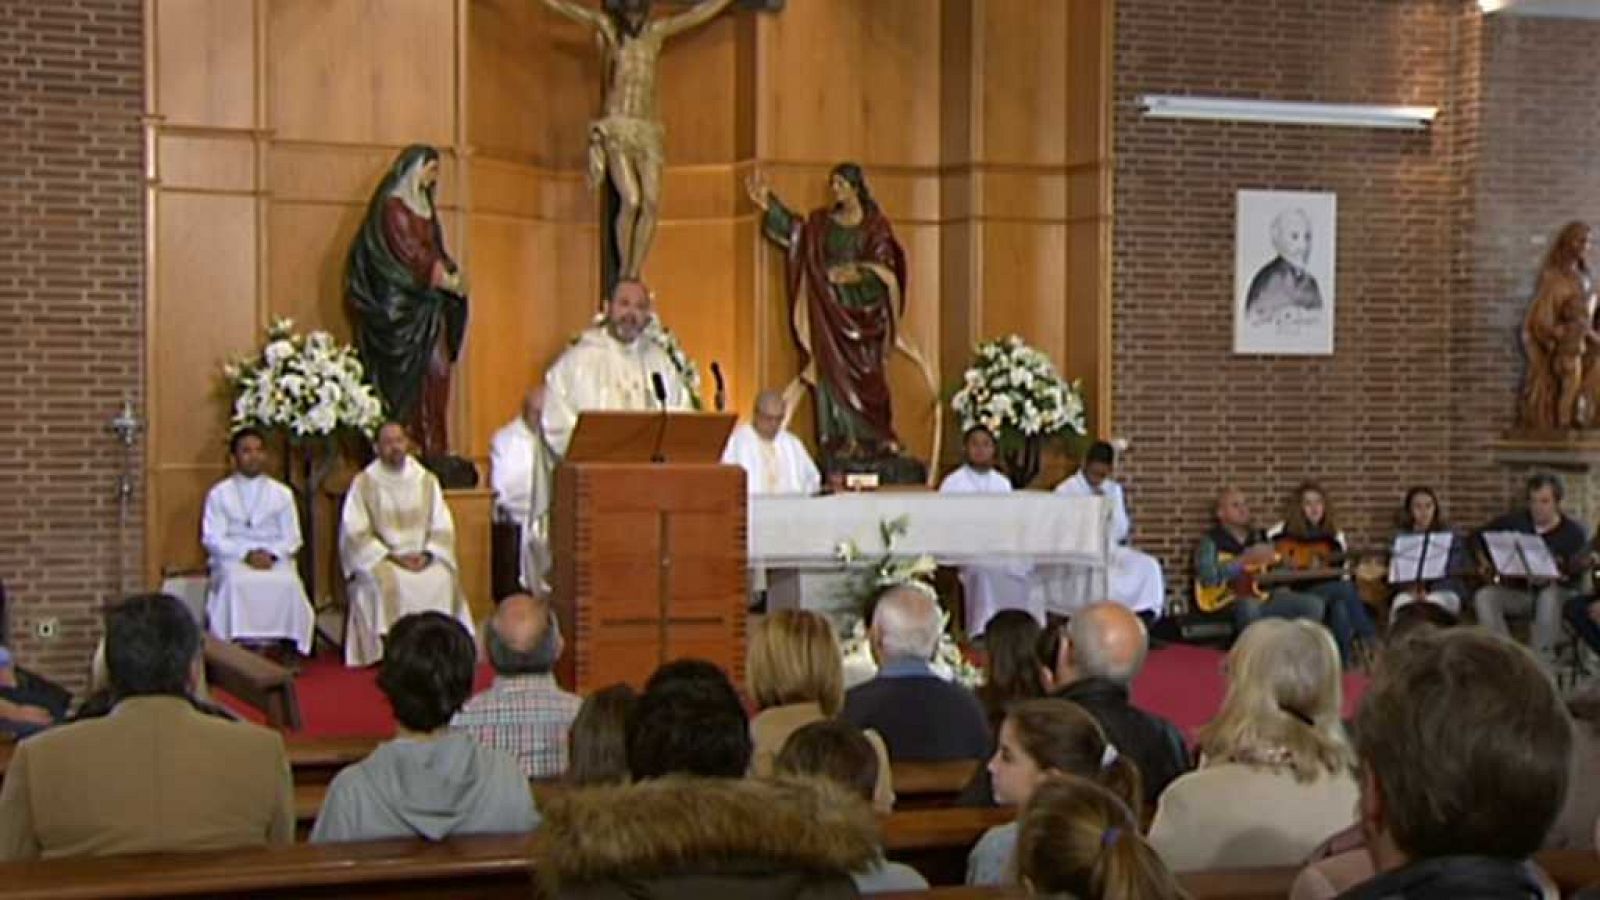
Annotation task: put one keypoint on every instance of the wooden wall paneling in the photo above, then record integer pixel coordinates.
(363, 71)
(1089, 204)
(204, 62)
(534, 80)
(178, 495)
(1023, 80)
(206, 161)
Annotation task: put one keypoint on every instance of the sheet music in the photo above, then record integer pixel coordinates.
(1420, 557)
(1518, 555)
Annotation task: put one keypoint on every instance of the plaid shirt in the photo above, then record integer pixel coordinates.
(527, 716)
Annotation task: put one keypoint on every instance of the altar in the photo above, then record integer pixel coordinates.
(794, 542)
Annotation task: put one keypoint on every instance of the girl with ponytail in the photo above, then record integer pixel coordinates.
(1077, 839)
(1038, 739)
(1276, 770)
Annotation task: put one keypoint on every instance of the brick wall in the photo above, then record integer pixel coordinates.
(71, 315)
(1440, 237)
(1367, 421)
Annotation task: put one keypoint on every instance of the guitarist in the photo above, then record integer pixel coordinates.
(1568, 543)
(1228, 554)
(1306, 539)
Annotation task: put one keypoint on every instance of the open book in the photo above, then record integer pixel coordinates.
(1420, 557)
(1517, 555)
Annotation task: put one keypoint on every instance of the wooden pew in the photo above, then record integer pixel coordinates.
(924, 785)
(259, 682)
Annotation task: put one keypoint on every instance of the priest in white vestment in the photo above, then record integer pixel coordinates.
(774, 461)
(397, 544)
(251, 532)
(1136, 579)
(611, 366)
(518, 470)
(996, 586)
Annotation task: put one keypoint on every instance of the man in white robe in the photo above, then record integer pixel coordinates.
(996, 586)
(397, 545)
(774, 461)
(1136, 578)
(251, 532)
(610, 367)
(518, 465)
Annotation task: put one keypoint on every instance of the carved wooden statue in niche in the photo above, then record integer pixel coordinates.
(1562, 385)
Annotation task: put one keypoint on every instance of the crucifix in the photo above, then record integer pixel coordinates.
(625, 143)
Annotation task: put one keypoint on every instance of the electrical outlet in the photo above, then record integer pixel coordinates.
(46, 628)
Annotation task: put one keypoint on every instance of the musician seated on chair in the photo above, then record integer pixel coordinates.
(1309, 544)
(1543, 599)
(1421, 514)
(1227, 562)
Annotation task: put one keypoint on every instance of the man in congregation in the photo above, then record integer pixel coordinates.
(524, 713)
(518, 470)
(612, 366)
(1136, 579)
(251, 532)
(991, 587)
(1100, 652)
(920, 715)
(157, 774)
(1461, 774)
(774, 461)
(1234, 548)
(1568, 543)
(397, 546)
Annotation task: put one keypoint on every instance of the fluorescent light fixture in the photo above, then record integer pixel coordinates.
(1491, 6)
(1227, 109)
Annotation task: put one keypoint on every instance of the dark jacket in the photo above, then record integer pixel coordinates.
(695, 839)
(919, 715)
(1452, 878)
(1155, 745)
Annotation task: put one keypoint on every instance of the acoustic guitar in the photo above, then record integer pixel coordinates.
(1295, 561)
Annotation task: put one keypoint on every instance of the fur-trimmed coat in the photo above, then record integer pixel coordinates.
(700, 838)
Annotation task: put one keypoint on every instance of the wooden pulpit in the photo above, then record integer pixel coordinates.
(648, 540)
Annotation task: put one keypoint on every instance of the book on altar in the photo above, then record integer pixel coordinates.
(1518, 555)
(1419, 557)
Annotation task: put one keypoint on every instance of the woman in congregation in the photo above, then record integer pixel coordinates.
(1077, 839)
(1309, 538)
(1421, 515)
(1012, 671)
(1038, 739)
(597, 743)
(1276, 770)
(794, 672)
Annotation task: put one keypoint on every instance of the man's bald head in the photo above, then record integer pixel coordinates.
(767, 416)
(1105, 640)
(523, 637)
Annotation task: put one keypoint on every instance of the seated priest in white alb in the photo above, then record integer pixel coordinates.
(611, 366)
(1136, 578)
(992, 587)
(251, 532)
(518, 467)
(774, 461)
(397, 543)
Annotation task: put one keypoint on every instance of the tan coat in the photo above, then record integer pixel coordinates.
(770, 730)
(1234, 816)
(154, 775)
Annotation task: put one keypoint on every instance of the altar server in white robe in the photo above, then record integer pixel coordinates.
(774, 461)
(1136, 578)
(997, 586)
(518, 474)
(251, 533)
(397, 543)
(610, 366)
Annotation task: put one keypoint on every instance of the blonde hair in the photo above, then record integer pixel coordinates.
(1075, 838)
(794, 657)
(1283, 702)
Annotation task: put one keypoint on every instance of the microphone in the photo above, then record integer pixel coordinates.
(660, 385)
(721, 401)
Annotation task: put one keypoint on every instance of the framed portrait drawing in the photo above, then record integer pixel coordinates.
(1283, 282)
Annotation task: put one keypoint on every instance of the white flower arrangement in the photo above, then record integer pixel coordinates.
(1014, 391)
(306, 385)
(688, 370)
(887, 570)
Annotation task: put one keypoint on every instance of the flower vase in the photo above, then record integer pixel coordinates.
(1022, 461)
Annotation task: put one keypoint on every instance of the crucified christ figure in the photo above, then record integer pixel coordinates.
(626, 141)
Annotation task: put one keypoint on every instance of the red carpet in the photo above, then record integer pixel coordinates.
(1180, 682)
